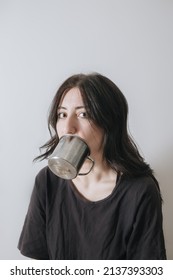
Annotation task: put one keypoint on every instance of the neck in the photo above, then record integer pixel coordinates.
(98, 184)
(100, 171)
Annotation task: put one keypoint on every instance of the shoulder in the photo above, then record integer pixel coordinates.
(45, 175)
(141, 182)
(47, 181)
(141, 195)
(144, 186)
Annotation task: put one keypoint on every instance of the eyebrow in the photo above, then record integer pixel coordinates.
(77, 108)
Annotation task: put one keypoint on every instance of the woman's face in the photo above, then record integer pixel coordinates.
(73, 119)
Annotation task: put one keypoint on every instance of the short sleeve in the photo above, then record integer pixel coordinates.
(32, 242)
(146, 241)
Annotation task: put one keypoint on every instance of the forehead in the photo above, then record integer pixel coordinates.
(72, 97)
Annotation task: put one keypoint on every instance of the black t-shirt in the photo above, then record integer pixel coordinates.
(60, 224)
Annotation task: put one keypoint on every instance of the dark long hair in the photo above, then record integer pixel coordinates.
(106, 107)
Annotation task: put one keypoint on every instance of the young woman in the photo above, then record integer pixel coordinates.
(115, 211)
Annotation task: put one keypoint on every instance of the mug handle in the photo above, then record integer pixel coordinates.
(90, 167)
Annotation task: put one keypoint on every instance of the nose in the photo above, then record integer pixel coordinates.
(70, 126)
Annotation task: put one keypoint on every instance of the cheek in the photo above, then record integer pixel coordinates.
(59, 129)
(95, 140)
(99, 142)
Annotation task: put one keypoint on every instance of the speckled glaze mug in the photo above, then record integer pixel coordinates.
(69, 156)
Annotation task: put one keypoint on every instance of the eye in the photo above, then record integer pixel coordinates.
(83, 115)
(61, 115)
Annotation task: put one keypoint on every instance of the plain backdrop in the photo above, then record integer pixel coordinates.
(41, 44)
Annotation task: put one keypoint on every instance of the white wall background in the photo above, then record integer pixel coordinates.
(41, 44)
